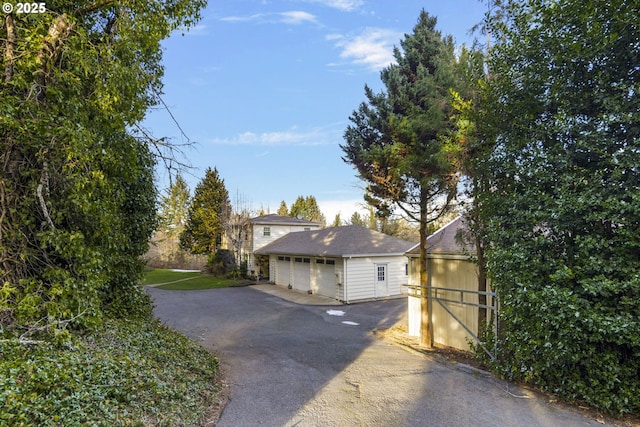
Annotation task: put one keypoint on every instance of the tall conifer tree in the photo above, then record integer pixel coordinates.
(207, 215)
(398, 138)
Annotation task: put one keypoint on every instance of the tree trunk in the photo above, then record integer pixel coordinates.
(426, 327)
(9, 51)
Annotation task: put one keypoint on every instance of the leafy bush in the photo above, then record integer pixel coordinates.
(221, 262)
(562, 198)
(127, 373)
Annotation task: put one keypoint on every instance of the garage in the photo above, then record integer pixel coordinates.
(367, 264)
(283, 269)
(325, 283)
(301, 273)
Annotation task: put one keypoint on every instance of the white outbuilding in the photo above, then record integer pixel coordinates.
(348, 263)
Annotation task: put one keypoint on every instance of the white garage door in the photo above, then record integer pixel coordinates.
(326, 277)
(284, 268)
(301, 273)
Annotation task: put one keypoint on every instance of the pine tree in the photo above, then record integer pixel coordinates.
(283, 210)
(398, 140)
(336, 221)
(207, 215)
(307, 208)
(174, 206)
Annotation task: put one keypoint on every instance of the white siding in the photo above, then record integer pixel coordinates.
(258, 240)
(361, 277)
(276, 231)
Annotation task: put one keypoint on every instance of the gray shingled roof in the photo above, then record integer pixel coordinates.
(281, 220)
(444, 241)
(336, 242)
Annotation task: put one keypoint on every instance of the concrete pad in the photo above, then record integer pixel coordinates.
(295, 296)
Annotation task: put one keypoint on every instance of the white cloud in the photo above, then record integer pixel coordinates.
(296, 17)
(292, 136)
(293, 17)
(345, 5)
(373, 47)
(242, 18)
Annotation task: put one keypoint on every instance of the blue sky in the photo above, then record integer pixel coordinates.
(265, 89)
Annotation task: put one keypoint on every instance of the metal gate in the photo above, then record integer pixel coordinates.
(438, 295)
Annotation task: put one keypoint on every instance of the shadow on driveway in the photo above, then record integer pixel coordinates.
(308, 365)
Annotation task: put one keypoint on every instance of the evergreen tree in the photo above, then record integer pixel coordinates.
(207, 215)
(357, 219)
(336, 221)
(398, 140)
(174, 205)
(283, 210)
(307, 208)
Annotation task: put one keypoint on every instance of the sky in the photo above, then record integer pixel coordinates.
(264, 90)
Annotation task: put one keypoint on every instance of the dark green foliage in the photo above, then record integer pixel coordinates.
(207, 215)
(399, 140)
(306, 208)
(563, 213)
(174, 206)
(126, 373)
(77, 201)
(221, 263)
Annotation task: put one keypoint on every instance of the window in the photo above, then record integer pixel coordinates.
(298, 259)
(331, 262)
(306, 260)
(406, 269)
(266, 231)
(307, 229)
(319, 261)
(381, 271)
(284, 258)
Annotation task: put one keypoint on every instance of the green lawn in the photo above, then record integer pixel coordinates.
(156, 276)
(194, 280)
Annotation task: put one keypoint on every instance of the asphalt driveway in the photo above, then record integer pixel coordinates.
(291, 364)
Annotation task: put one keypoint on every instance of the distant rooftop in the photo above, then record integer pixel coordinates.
(337, 242)
(283, 220)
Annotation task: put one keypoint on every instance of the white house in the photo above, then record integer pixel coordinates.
(266, 229)
(348, 263)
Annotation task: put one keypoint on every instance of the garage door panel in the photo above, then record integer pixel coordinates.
(302, 274)
(326, 280)
(283, 275)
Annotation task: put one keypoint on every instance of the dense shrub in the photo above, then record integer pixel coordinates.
(128, 373)
(221, 263)
(563, 212)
